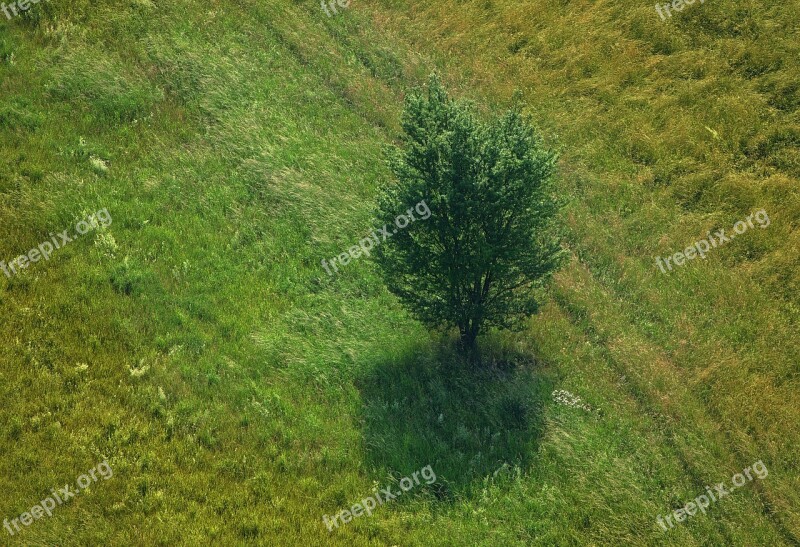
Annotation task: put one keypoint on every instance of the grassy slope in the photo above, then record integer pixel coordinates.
(244, 145)
(632, 98)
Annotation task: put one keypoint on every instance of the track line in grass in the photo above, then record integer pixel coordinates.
(661, 369)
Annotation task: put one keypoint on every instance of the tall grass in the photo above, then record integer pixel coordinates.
(240, 393)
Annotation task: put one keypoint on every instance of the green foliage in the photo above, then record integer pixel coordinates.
(489, 245)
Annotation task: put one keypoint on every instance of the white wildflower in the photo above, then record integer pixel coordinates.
(566, 398)
(99, 164)
(106, 243)
(141, 370)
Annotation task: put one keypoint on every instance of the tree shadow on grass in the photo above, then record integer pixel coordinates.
(428, 407)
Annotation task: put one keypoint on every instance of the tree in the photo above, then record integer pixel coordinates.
(489, 245)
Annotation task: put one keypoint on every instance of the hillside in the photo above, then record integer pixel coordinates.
(239, 393)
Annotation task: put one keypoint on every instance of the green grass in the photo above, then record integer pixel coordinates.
(244, 145)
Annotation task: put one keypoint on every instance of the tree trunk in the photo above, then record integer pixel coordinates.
(468, 338)
(469, 346)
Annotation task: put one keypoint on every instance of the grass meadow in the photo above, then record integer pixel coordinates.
(240, 393)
